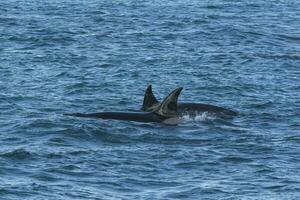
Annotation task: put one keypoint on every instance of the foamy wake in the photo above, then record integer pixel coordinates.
(205, 116)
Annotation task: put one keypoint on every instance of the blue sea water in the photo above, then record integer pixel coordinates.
(61, 56)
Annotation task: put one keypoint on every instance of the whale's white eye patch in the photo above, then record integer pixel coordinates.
(172, 121)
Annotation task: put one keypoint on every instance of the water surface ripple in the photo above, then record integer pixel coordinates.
(63, 56)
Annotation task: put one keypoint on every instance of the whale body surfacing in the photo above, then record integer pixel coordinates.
(165, 113)
(151, 103)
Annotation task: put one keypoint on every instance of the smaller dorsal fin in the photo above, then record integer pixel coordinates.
(149, 99)
(169, 105)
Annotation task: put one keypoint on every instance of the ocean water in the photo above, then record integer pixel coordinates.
(62, 56)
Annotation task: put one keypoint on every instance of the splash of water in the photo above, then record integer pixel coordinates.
(199, 117)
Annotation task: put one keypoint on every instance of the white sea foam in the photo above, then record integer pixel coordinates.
(205, 116)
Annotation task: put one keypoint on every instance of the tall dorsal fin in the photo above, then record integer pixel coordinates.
(169, 105)
(149, 99)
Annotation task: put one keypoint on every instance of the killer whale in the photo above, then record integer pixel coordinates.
(165, 113)
(151, 103)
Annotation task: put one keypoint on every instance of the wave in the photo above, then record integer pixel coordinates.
(18, 154)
